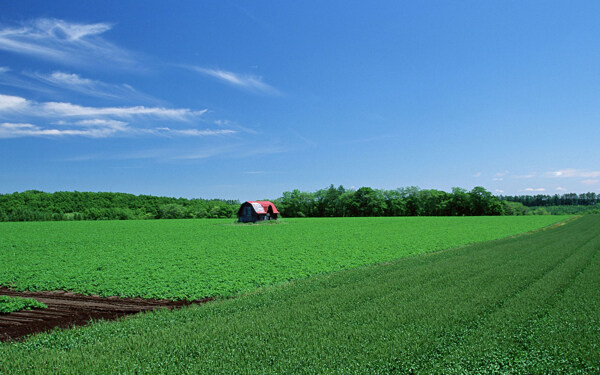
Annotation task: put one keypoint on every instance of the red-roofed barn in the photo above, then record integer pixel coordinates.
(253, 211)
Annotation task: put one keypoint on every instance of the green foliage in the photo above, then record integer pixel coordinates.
(524, 305)
(568, 210)
(544, 200)
(410, 201)
(516, 208)
(11, 304)
(36, 205)
(191, 259)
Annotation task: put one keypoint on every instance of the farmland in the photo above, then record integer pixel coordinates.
(192, 259)
(526, 304)
(10, 304)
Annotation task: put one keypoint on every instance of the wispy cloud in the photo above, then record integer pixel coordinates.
(7, 78)
(99, 129)
(243, 81)
(573, 173)
(15, 130)
(62, 41)
(530, 175)
(238, 150)
(191, 132)
(560, 188)
(590, 182)
(67, 119)
(534, 189)
(16, 104)
(74, 110)
(90, 87)
(478, 174)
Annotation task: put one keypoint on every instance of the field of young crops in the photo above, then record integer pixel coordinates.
(11, 304)
(191, 259)
(522, 305)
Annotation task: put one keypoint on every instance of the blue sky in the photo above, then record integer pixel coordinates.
(245, 100)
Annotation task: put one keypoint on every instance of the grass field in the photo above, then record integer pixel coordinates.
(528, 304)
(192, 259)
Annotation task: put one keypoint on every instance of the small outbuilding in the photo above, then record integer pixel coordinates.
(253, 211)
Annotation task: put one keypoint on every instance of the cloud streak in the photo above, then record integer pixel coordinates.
(95, 122)
(590, 182)
(16, 104)
(90, 87)
(65, 42)
(100, 129)
(17, 130)
(572, 173)
(243, 81)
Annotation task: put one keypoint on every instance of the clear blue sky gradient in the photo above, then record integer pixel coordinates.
(245, 100)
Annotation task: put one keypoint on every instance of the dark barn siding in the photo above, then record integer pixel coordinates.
(246, 213)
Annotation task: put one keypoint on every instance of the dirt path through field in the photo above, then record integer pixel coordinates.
(67, 309)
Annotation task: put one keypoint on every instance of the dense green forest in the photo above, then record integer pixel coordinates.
(33, 205)
(36, 205)
(410, 201)
(543, 200)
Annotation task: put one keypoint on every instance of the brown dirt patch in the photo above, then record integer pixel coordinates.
(66, 310)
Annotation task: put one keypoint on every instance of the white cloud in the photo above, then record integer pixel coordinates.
(248, 82)
(69, 79)
(499, 191)
(57, 109)
(567, 173)
(531, 175)
(15, 130)
(535, 189)
(58, 40)
(560, 188)
(100, 122)
(96, 122)
(590, 182)
(77, 83)
(501, 174)
(4, 69)
(9, 79)
(191, 132)
(478, 174)
(497, 179)
(99, 128)
(12, 103)
(74, 110)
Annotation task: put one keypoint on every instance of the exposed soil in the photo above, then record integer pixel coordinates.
(67, 309)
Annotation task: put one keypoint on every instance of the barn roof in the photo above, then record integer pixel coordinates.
(261, 207)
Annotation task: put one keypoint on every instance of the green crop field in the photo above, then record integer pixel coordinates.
(11, 304)
(192, 259)
(522, 305)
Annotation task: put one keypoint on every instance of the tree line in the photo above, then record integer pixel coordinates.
(409, 201)
(33, 205)
(542, 200)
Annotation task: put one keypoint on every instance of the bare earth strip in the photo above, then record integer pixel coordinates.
(67, 309)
